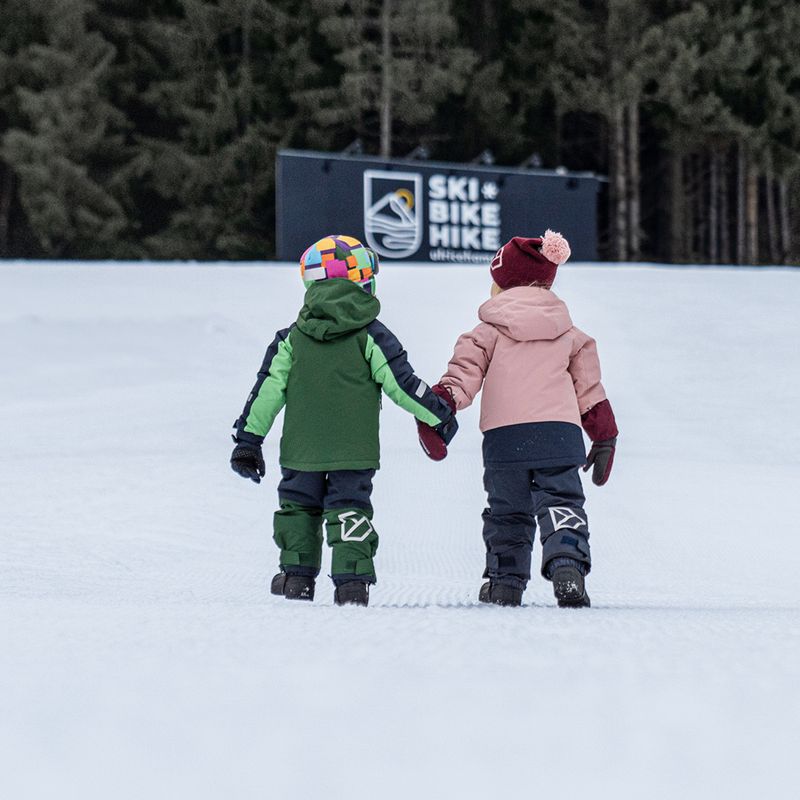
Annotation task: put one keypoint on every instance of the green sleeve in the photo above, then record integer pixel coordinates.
(269, 394)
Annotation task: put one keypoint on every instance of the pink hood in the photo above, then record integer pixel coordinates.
(526, 313)
(534, 365)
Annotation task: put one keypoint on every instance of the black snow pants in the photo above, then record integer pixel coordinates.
(520, 498)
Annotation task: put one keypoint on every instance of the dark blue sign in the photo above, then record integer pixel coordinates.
(429, 211)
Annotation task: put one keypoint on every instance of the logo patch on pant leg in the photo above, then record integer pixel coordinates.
(355, 527)
(566, 517)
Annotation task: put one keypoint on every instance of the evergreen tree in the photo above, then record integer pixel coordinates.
(399, 61)
(702, 73)
(488, 116)
(65, 147)
(596, 57)
(223, 107)
(778, 89)
(139, 129)
(16, 34)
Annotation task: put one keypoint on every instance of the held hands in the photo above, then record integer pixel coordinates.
(434, 441)
(246, 459)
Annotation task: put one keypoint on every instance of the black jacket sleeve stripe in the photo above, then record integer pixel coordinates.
(397, 361)
(263, 373)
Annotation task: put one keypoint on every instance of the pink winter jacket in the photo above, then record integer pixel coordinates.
(534, 364)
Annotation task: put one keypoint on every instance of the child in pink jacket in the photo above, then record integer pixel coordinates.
(541, 383)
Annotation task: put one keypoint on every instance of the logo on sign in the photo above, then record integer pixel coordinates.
(393, 212)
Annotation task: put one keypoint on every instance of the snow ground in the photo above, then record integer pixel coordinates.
(142, 656)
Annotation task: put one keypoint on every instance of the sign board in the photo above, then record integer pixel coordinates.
(428, 211)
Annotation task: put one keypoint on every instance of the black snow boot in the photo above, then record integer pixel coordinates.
(293, 587)
(569, 587)
(500, 594)
(353, 593)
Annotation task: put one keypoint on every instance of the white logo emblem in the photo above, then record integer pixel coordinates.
(393, 212)
(355, 521)
(497, 261)
(565, 517)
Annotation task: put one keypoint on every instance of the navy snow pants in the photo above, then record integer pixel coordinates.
(520, 498)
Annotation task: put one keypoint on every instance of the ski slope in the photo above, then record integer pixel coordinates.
(142, 656)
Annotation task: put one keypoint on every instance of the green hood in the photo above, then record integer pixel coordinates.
(336, 307)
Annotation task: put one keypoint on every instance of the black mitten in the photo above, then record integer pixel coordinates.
(601, 459)
(246, 459)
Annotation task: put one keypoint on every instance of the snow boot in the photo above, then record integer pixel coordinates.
(293, 587)
(500, 594)
(569, 588)
(353, 593)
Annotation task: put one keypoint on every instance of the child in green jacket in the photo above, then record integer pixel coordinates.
(328, 369)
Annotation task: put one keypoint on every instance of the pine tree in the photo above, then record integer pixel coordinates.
(399, 61)
(65, 147)
(15, 34)
(486, 115)
(701, 77)
(595, 59)
(223, 107)
(778, 90)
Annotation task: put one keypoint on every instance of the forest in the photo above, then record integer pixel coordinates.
(137, 129)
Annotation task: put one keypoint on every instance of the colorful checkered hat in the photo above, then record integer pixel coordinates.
(340, 257)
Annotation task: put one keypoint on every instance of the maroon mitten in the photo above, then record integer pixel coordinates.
(431, 442)
(434, 440)
(601, 428)
(446, 395)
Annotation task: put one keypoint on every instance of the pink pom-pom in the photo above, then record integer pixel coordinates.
(555, 247)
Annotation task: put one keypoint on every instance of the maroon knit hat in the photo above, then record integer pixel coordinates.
(530, 262)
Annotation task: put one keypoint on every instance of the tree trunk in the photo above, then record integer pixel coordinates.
(634, 182)
(245, 67)
(619, 177)
(752, 214)
(724, 211)
(698, 216)
(690, 207)
(783, 210)
(741, 167)
(713, 209)
(558, 130)
(677, 246)
(247, 32)
(772, 219)
(489, 28)
(6, 196)
(386, 79)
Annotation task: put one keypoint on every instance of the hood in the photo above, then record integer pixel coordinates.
(336, 307)
(527, 313)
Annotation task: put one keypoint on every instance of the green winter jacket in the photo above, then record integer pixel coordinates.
(328, 369)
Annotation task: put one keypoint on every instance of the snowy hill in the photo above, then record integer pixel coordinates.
(142, 656)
